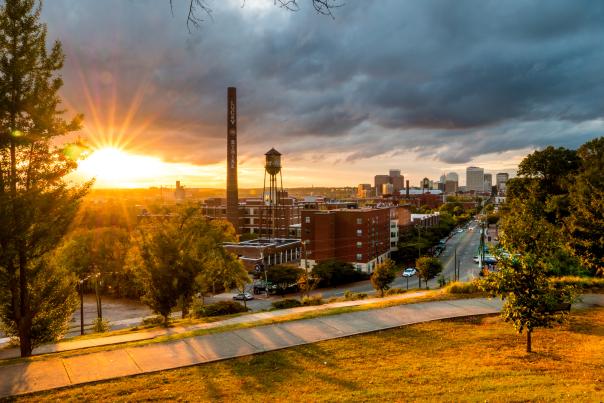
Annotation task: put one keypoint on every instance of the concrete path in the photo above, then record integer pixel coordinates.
(151, 334)
(58, 372)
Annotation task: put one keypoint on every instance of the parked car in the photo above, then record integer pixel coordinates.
(476, 259)
(243, 296)
(409, 271)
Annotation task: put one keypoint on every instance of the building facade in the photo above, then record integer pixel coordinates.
(361, 236)
(501, 180)
(475, 179)
(380, 180)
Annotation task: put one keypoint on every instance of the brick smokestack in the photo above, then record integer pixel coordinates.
(232, 190)
(407, 183)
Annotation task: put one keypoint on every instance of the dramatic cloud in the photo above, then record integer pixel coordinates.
(438, 80)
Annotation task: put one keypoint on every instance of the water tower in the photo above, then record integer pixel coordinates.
(271, 219)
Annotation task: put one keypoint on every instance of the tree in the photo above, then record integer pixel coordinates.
(530, 299)
(100, 251)
(332, 273)
(383, 275)
(428, 268)
(198, 8)
(586, 221)
(284, 277)
(36, 203)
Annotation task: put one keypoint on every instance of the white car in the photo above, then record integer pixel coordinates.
(409, 271)
(244, 296)
(476, 259)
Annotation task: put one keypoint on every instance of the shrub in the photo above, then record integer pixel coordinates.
(354, 296)
(579, 282)
(458, 287)
(286, 303)
(153, 321)
(220, 308)
(313, 300)
(394, 291)
(100, 326)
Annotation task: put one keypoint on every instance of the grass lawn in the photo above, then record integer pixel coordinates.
(478, 358)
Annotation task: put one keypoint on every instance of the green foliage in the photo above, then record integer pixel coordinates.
(583, 283)
(354, 296)
(395, 291)
(286, 303)
(428, 267)
(383, 275)
(458, 287)
(100, 325)
(586, 221)
(284, 277)
(177, 257)
(220, 308)
(313, 300)
(333, 273)
(530, 298)
(53, 294)
(100, 250)
(37, 204)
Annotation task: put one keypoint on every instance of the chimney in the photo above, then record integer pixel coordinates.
(232, 192)
(407, 188)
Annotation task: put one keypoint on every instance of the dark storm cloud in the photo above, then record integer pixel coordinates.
(446, 80)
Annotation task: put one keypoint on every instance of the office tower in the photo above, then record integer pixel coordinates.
(475, 179)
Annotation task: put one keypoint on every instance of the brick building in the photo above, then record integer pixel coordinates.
(254, 214)
(359, 236)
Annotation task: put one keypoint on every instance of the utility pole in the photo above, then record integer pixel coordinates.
(81, 307)
(455, 265)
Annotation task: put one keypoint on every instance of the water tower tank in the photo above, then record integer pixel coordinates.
(273, 162)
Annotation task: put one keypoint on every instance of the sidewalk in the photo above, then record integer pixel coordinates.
(151, 334)
(59, 372)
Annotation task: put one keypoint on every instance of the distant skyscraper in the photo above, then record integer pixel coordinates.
(452, 176)
(488, 182)
(475, 179)
(443, 179)
(501, 179)
(397, 180)
(379, 180)
(451, 187)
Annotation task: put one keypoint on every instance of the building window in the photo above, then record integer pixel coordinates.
(359, 232)
(359, 244)
(307, 219)
(359, 221)
(359, 256)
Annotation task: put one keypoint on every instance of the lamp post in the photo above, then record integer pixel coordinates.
(81, 307)
(307, 285)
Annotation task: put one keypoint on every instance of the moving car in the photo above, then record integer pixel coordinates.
(243, 296)
(409, 271)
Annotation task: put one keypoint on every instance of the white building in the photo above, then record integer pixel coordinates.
(475, 179)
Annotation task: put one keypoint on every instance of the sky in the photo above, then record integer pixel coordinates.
(423, 86)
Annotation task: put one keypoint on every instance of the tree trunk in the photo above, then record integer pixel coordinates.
(529, 346)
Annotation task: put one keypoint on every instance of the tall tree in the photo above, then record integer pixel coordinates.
(36, 203)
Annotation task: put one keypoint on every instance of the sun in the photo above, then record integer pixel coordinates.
(112, 167)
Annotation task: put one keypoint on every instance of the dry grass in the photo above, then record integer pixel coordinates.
(469, 359)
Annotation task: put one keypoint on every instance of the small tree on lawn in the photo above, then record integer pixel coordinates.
(283, 276)
(383, 275)
(530, 299)
(428, 268)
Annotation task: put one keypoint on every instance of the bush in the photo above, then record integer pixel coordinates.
(395, 291)
(220, 308)
(579, 282)
(100, 326)
(354, 296)
(462, 288)
(313, 300)
(153, 321)
(332, 273)
(286, 303)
